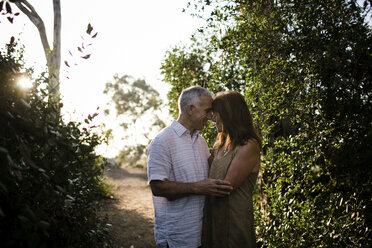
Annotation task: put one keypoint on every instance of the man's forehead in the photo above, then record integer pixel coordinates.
(206, 98)
(204, 102)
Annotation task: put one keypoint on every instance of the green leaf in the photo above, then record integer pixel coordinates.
(89, 29)
(8, 8)
(86, 56)
(3, 150)
(43, 224)
(60, 189)
(70, 197)
(23, 218)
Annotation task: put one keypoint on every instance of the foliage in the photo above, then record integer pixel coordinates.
(305, 70)
(50, 176)
(184, 67)
(136, 102)
(134, 155)
(82, 51)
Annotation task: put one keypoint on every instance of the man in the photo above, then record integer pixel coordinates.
(178, 172)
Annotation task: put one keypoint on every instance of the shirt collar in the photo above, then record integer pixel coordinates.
(180, 129)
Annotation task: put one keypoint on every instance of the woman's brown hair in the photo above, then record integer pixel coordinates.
(236, 119)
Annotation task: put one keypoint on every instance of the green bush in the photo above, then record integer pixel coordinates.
(305, 70)
(50, 176)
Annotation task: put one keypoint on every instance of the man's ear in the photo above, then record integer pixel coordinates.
(190, 109)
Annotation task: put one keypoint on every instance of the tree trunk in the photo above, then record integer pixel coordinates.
(55, 60)
(53, 56)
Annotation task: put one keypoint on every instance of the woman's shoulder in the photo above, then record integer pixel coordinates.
(249, 145)
(250, 151)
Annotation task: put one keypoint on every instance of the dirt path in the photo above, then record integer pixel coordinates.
(130, 211)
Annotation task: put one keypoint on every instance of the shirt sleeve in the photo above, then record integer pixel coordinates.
(159, 161)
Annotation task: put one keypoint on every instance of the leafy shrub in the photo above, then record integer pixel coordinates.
(50, 176)
(305, 69)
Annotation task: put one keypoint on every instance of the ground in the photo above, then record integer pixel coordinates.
(129, 210)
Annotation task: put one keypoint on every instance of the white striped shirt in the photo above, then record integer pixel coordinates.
(175, 155)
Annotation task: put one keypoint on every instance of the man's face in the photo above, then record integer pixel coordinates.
(202, 112)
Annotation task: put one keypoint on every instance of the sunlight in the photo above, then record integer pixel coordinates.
(24, 82)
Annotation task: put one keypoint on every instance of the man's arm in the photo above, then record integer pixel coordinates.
(175, 190)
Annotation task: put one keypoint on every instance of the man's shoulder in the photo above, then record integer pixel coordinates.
(165, 132)
(163, 136)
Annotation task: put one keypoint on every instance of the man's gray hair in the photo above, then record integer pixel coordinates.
(191, 95)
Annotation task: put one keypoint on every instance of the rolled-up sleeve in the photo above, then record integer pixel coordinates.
(159, 161)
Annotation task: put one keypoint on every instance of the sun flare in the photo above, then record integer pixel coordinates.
(25, 83)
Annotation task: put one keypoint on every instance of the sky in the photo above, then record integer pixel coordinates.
(132, 39)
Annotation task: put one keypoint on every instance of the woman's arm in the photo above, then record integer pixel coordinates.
(244, 162)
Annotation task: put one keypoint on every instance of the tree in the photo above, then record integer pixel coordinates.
(52, 53)
(136, 102)
(305, 70)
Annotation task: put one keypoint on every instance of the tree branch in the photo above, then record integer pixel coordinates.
(57, 35)
(30, 12)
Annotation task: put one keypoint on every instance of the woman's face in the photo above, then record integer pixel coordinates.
(217, 120)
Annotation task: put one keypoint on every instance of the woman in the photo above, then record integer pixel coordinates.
(228, 221)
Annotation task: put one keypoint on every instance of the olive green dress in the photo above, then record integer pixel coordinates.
(228, 221)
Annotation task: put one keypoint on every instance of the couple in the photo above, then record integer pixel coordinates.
(202, 199)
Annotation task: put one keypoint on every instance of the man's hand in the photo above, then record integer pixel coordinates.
(213, 187)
